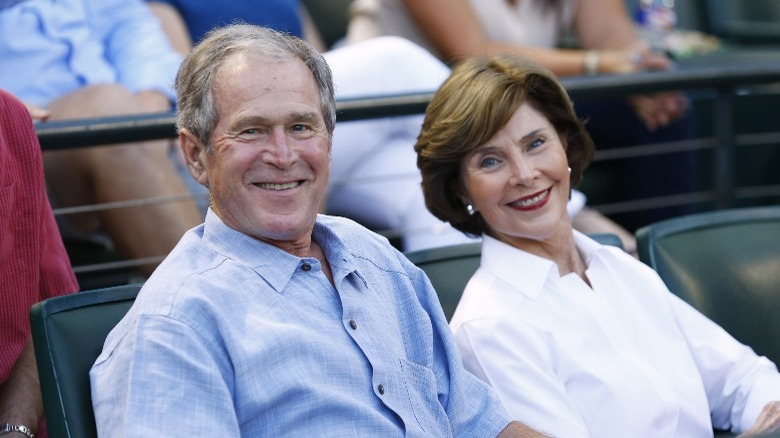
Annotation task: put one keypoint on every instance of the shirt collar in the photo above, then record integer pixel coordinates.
(589, 249)
(342, 262)
(273, 264)
(524, 271)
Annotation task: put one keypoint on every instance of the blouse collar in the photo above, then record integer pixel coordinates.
(527, 272)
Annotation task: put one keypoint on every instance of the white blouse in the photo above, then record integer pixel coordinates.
(623, 358)
(527, 22)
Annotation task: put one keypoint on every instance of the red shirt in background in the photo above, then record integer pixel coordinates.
(33, 262)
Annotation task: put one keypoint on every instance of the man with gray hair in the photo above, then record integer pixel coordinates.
(270, 319)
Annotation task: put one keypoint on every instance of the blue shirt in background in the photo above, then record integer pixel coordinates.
(52, 47)
(235, 337)
(200, 16)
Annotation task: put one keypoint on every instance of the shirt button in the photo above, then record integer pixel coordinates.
(353, 324)
(381, 389)
(306, 267)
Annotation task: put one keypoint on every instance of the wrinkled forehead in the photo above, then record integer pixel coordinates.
(249, 60)
(247, 72)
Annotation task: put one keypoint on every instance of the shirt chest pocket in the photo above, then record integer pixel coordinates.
(421, 389)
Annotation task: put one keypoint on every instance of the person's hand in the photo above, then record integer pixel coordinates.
(658, 110)
(767, 423)
(37, 113)
(632, 59)
(619, 61)
(648, 60)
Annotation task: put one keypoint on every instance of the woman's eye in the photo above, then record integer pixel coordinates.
(535, 143)
(488, 162)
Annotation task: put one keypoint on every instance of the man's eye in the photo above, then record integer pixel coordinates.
(299, 128)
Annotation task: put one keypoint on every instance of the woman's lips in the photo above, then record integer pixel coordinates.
(533, 202)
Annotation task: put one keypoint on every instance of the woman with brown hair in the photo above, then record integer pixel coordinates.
(577, 338)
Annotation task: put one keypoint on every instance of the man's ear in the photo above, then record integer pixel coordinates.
(195, 155)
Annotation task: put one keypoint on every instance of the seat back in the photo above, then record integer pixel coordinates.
(726, 264)
(68, 334)
(450, 267)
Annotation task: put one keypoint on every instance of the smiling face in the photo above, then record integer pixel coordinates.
(269, 162)
(519, 180)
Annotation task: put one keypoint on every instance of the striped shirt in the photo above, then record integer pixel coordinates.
(33, 262)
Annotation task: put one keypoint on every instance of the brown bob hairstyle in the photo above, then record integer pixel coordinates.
(474, 103)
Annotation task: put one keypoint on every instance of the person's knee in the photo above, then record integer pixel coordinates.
(128, 156)
(409, 58)
(402, 65)
(97, 100)
(394, 47)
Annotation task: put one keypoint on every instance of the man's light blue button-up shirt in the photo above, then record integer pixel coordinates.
(234, 337)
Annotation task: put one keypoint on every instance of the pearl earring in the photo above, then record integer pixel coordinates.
(470, 209)
(570, 171)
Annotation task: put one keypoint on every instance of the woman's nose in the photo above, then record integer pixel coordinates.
(523, 173)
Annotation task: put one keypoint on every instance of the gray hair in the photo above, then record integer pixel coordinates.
(195, 81)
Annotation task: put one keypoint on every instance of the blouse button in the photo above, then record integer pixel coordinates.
(353, 324)
(381, 389)
(306, 267)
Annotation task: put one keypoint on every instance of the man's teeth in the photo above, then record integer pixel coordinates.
(534, 200)
(278, 186)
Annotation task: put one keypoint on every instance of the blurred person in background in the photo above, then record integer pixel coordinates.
(76, 59)
(33, 266)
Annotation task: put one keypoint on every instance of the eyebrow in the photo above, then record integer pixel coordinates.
(307, 116)
(532, 134)
(489, 148)
(294, 117)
